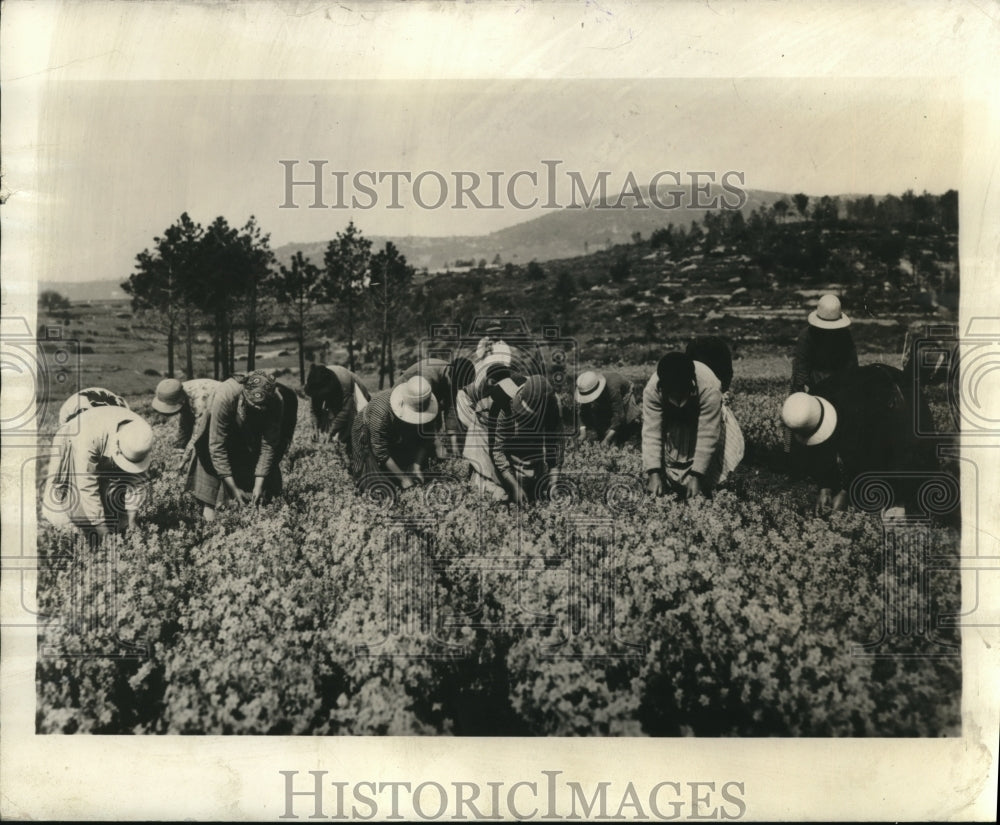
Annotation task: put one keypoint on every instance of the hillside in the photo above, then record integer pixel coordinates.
(564, 233)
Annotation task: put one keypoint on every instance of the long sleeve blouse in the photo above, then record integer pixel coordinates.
(681, 435)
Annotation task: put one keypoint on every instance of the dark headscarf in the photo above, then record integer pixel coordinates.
(258, 389)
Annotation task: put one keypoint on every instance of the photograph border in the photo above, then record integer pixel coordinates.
(215, 778)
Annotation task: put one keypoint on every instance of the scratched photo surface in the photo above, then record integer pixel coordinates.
(641, 411)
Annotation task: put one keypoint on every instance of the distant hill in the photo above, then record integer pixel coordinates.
(560, 234)
(565, 233)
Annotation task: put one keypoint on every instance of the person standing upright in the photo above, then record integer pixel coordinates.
(824, 348)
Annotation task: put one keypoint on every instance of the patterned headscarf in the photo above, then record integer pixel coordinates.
(258, 389)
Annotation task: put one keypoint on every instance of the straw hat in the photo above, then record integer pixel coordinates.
(811, 419)
(495, 362)
(133, 446)
(589, 386)
(827, 314)
(413, 401)
(170, 396)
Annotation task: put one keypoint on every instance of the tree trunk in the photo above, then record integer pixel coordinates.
(381, 361)
(232, 346)
(350, 329)
(392, 362)
(302, 344)
(216, 354)
(223, 333)
(252, 327)
(189, 354)
(170, 347)
(225, 360)
(385, 325)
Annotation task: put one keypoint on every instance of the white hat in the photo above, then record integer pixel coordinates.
(133, 445)
(827, 314)
(589, 386)
(413, 401)
(811, 419)
(488, 364)
(170, 396)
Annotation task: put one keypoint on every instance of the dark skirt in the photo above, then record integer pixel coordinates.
(366, 470)
(206, 485)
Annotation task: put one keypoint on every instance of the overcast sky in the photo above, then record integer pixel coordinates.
(119, 161)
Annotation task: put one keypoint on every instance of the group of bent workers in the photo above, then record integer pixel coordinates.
(498, 411)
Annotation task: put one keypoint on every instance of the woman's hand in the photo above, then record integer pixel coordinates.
(258, 490)
(241, 497)
(692, 486)
(824, 501)
(654, 484)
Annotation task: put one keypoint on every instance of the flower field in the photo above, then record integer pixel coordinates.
(598, 612)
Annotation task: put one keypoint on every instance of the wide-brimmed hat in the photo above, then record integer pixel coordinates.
(133, 445)
(589, 386)
(413, 401)
(494, 329)
(490, 365)
(811, 418)
(528, 404)
(828, 315)
(170, 396)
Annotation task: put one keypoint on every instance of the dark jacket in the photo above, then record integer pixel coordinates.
(516, 446)
(331, 392)
(820, 354)
(614, 409)
(229, 425)
(438, 374)
(875, 431)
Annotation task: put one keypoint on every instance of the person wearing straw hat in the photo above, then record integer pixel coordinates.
(824, 348)
(188, 401)
(527, 448)
(336, 394)
(238, 443)
(479, 407)
(691, 441)
(446, 379)
(88, 399)
(393, 435)
(857, 421)
(96, 475)
(608, 411)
